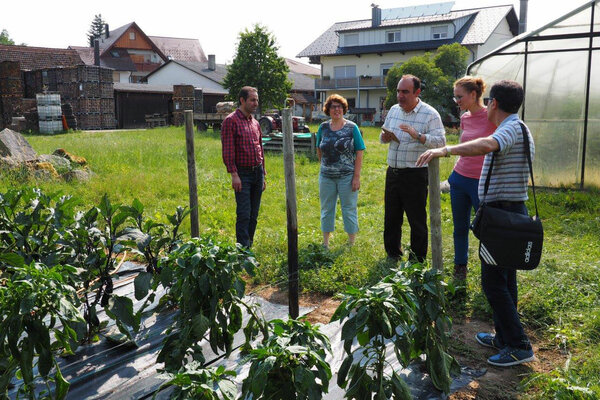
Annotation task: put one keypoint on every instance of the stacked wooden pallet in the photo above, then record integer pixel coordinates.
(11, 92)
(183, 99)
(87, 88)
(302, 142)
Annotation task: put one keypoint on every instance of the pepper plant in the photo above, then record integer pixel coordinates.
(204, 279)
(37, 309)
(378, 316)
(289, 363)
(408, 308)
(193, 381)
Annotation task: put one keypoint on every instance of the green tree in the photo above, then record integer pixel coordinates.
(96, 29)
(437, 72)
(5, 37)
(452, 59)
(257, 64)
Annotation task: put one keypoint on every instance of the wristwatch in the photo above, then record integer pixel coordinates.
(419, 136)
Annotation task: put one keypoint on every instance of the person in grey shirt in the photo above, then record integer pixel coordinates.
(508, 191)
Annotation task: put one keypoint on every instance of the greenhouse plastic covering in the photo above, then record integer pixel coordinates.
(559, 68)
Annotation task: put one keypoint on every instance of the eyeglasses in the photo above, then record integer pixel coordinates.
(487, 100)
(457, 98)
(337, 106)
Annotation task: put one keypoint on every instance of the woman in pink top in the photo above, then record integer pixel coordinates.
(464, 180)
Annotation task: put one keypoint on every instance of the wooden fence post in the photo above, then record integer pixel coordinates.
(191, 164)
(292, 218)
(435, 214)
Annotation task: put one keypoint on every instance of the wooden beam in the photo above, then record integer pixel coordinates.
(292, 217)
(191, 164)
(435, 214)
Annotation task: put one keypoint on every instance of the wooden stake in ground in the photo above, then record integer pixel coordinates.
(292, 218)
(191, 164)
(435, 214)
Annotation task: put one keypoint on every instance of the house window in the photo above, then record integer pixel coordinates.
(385, 68)
(115, 54)
(351, 102)
(351, 39)
(131, 35)
(439, 32)
(346, 71)
(393, 36)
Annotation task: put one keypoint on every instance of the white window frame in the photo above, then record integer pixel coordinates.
(396, 38)
(385, 66)
(131, 35)
(348, 42)
(442, 32)
(346, 69)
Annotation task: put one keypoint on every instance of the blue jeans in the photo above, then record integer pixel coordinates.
(329, 191)
(500, 288)
(248, 204)
(463, 196)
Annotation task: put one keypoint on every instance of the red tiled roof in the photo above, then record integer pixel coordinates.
(86, 54)
(180, 49)
(32, 58)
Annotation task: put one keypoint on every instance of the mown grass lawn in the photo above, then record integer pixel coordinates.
(560, 300)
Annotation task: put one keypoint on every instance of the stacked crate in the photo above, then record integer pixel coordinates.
(11, 92)
(49, 113)
(183, 99)
(88, 89)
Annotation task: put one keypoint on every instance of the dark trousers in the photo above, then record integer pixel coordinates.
(248, 204)
(405, 191)
(500, 288)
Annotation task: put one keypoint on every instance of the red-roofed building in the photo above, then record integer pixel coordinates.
(133, 55)
(33, 58)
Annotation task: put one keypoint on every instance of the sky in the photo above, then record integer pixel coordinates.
(217, 23)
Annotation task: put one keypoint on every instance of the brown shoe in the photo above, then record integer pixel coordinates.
(460, 272)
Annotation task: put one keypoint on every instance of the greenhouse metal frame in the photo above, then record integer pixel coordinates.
(561, 78)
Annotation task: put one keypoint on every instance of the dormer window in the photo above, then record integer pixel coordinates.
(439, 32)
(115, 54)
(131, 35)
(351, 39)
(393, 36)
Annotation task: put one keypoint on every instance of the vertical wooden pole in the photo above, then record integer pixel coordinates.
(435, 214)
(313, 143)
(292, 218)
(191, 164)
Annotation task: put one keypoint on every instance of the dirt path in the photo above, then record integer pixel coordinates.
(496, 384)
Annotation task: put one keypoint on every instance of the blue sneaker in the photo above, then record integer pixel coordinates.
(488, 340)
(510, 356)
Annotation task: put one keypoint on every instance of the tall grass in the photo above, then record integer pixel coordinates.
(560, 300)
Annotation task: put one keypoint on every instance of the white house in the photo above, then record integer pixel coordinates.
(355, 56)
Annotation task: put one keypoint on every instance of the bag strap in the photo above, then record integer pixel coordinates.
(528, 155)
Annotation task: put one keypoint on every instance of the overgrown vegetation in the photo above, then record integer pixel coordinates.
(437, 72)
(558, 301)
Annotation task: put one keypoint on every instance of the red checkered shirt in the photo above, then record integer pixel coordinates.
(242, 142)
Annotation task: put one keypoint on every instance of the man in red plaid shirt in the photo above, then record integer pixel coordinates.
(244, 158)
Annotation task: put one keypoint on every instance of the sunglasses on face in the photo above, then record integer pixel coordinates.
(487, 100)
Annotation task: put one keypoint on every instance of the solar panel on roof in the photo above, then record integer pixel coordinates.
(417, 11)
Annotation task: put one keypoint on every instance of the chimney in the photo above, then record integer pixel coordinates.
(211, 62)
(106, 31)
(96, 52)
(375, 15)
(523, 16)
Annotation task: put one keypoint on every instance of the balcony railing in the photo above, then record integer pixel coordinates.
(351, 83)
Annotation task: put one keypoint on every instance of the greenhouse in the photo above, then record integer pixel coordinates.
(559, 68)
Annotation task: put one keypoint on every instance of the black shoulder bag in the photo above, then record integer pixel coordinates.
(508, 239)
